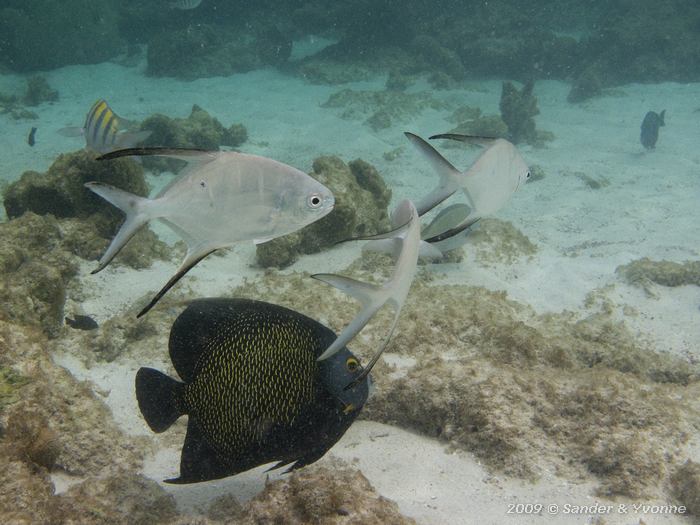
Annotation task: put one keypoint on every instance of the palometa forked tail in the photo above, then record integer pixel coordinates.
(137, 214)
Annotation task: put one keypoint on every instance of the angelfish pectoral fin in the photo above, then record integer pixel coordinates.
(137, 214)
(369, 295)
(191, 259)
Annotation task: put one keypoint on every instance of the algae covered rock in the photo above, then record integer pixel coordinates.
(199, 130)
(518, 111)
(587, 85)
(35, 272)
(686, 486)
(125, 497)
(206, 50)
(61, 191)
(38, 91)
(470, 121)
(87, 222)
(333, 494)
(380, 109)
(644, 271)
(361, 200)
(43, 34)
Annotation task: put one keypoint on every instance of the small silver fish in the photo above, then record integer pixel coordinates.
(104, 130)
(394, 291)
(185, 4)
(221, 198)
(488, 183)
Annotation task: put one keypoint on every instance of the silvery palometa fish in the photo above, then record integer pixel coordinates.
(222, 198)
(252, 388)
(105, 131)
(407, 243)
(488, 183)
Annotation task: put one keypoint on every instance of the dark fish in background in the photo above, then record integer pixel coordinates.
(82, 322)
(252, 388)
(650, 128)
(30, 138)
(185, 4)
(104, 130)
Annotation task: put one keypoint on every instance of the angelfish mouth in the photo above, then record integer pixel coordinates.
(348, 408)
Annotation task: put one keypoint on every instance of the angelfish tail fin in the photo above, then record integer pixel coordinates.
(159, 398)
(369, 295)
(137, 214)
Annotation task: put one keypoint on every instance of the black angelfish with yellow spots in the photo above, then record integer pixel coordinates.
(252, 388)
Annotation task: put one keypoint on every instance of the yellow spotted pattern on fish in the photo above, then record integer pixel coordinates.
(252, 387)
(255, 374)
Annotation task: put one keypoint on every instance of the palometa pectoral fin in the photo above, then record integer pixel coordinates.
(191, 259)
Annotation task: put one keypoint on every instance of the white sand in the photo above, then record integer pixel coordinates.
(649, 209)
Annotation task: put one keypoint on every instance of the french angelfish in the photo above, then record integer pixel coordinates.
(488, 183)
(221, 198)
(105, 131)
(650, 128)
(394, 291)
(252, 388)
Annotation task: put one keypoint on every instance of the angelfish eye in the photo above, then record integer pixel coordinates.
(352, 364)
(314, 200)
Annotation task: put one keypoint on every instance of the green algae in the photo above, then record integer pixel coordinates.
(381, 109)
(10, 384)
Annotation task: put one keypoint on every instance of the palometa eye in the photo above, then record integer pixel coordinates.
(314, 200)
(352, 364)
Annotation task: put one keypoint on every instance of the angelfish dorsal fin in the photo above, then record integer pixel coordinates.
(194, 329)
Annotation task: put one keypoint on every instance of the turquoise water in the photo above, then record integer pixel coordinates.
(544, 371)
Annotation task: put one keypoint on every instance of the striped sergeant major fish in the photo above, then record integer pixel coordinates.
(104, 130)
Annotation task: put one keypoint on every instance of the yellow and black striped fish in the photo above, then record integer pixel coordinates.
(104, 130)
(252, 387)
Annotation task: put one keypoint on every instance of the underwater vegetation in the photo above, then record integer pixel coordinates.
(644, 271)
(518, 109)
(36, 92)
(381, 109)
(215, 50)
(360, 209)
(594, 46)
(54, 223)
(199, 130)
(86, 29)
(522, 391)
